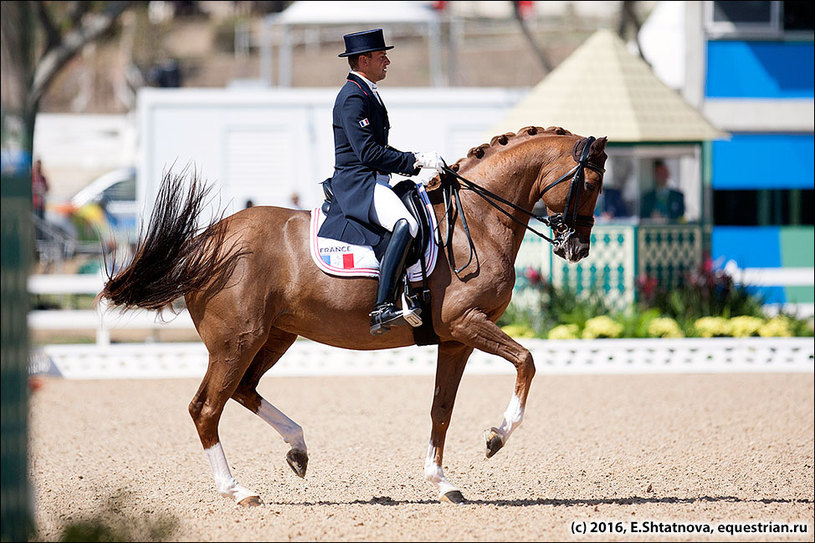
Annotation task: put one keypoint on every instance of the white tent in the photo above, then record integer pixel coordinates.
(363, 14)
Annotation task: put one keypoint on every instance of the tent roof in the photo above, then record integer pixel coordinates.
(604, 90)
(333, 12)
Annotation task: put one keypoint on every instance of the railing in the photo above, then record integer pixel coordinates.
(102, 319)
(552, 357)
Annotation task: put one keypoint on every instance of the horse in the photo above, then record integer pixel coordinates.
(251, 288)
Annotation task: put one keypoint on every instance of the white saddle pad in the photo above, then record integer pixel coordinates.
(346, 260)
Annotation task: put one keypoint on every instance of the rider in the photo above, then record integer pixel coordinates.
(364, 208)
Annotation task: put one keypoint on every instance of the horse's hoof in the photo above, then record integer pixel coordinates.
(250, 501)
(495, 441)
(298, 461)
(453, 496)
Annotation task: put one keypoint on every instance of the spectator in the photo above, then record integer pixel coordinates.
(662, 203)
(611, 205)
(39, 189)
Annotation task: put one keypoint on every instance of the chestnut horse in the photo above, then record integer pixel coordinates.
(251, 288)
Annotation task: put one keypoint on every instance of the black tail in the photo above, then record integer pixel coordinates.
(175, 256)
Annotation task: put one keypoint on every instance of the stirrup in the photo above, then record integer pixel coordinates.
(387, 315)
(411, 312)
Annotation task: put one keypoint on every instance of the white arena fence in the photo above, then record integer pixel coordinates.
(552, 357)
(104, 360)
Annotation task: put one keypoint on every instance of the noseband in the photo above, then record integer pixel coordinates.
(563, 224)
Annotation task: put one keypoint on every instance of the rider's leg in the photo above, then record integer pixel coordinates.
(392, 214)
(388, 208)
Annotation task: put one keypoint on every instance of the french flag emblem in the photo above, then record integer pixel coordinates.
(363, 123)
(339, 260)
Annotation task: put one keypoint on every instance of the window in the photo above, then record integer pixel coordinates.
(121, 191)
(770, 19)
(629, 185)
(767, 207)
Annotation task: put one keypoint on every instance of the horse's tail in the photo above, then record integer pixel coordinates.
(175, 256)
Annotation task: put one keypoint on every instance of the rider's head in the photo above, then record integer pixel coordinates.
(366, 52)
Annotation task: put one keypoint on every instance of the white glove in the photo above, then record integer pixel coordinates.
(429, 160)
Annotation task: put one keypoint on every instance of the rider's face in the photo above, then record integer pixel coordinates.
(375, 68)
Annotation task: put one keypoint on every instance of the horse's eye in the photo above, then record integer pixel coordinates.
(590, 186)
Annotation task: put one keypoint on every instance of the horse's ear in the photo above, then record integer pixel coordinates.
(597, 147)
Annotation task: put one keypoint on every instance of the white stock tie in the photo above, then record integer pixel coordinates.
(373, 88)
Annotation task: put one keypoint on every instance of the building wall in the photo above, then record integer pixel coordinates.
(760, 89)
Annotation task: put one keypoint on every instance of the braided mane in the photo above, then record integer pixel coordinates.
(487, 149)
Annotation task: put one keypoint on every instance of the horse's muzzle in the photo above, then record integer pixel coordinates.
(573, 250)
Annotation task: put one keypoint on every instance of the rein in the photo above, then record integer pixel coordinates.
(561, 223)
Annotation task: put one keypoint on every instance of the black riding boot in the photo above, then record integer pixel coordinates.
(385, 313)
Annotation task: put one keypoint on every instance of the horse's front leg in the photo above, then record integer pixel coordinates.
(476, 330)
(452, 358)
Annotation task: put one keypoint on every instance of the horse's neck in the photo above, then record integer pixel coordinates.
(507, 183)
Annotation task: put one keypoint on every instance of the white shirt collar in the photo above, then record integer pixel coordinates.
(368, 82)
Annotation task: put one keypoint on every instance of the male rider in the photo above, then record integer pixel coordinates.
(365, 209)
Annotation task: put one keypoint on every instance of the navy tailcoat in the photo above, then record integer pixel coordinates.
(360, 151)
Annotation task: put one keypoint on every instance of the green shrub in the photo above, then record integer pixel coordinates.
(518, 330)
(708, 303)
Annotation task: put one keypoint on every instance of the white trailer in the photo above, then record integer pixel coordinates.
(264, 145)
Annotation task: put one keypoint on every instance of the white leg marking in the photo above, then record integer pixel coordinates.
(291, 432)
(224, 482)
(512, 417)
(434, 473)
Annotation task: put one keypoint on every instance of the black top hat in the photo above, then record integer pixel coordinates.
(364, 42)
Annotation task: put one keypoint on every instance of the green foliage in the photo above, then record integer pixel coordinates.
(703, 292)
(708, 303)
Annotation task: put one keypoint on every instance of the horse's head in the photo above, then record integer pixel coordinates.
(569, 186)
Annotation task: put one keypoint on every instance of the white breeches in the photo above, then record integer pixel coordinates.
(388, 208)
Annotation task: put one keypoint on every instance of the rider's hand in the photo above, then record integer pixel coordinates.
(431, 160)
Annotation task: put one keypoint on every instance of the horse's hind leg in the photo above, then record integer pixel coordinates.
(247, 395)
(477, 330)
(219, 383)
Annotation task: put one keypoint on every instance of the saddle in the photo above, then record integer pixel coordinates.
(408, 192)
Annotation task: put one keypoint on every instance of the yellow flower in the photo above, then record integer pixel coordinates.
(712, 327)
(564, 331)
(602, 327)
(776, 327)
(664, 327)
(745, 326)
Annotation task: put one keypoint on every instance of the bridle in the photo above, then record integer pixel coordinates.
(562, 224)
